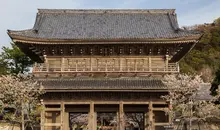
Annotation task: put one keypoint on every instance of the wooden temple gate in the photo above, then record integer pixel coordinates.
(56, 114)
(76, 50)
(63, 122)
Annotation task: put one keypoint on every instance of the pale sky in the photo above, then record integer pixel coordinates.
(21, 14)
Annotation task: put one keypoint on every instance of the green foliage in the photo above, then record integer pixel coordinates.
(3, 67)
(206, 53)
(13, 60)
(215, 83)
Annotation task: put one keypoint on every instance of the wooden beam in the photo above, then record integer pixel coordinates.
(160, 109)
(53, 109)
(52, 124)
(161, 124)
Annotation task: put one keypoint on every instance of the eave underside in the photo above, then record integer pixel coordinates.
(176, 49)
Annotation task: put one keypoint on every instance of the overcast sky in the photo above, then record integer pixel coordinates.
(20, 14)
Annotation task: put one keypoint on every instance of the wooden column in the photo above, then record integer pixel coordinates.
(42, 120)
(62, 64)
(135, 65)
(120, 64)
(178, 67)
(46, 63)
(166, 62)
(121, 116)
(62, 113)
(151, 120)
(76, 65)
(90, 63)
(149, 63)
(92, 120)
(170, 109)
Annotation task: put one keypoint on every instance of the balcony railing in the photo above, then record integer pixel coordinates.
(87, 65)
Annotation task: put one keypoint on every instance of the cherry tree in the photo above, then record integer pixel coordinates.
(20, 94)
(183, 91)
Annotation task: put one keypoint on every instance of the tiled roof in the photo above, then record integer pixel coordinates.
(105, 24)
(102, 84)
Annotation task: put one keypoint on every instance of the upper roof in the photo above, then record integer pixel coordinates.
(58, 24)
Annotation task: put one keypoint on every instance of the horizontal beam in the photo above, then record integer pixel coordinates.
(161, 124)
(52, 109)
(52, 124)
(105, 102)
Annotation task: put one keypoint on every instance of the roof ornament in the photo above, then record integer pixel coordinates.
(171, 18)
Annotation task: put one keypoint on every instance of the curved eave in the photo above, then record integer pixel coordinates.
(31, 40)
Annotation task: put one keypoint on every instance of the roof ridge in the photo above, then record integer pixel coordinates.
(163, 11)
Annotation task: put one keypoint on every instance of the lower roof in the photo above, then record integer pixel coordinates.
(103, 84)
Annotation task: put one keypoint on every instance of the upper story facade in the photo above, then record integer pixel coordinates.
(105, 41)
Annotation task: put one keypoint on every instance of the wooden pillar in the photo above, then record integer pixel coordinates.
(76, 65)
(167, 62)
(62, 64)
(178, 67)
(42, 120)
(149, 63)
(135, 65)
(170, 109)
(106, 65)
(120, 64)
(46, 63)
(121, 116)
(151, 120)
(90, 64)
(92, 120)
(62, 113)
